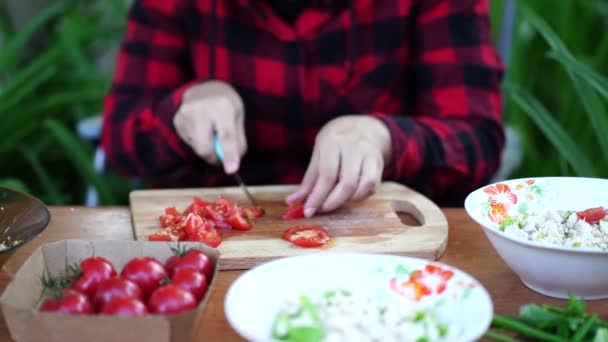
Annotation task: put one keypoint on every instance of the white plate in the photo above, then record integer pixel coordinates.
(255, 298)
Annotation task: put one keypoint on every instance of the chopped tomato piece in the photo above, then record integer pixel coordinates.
(171, 217)
(294, 212)
(253, 212)
(209, 236)
(237, 221)
(162, 235)
(306, 236)
(592, 215)
(199, 222)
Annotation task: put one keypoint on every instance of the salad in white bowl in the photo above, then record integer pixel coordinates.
(331, 297)
(551, 231)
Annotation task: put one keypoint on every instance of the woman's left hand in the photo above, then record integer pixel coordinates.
(347, 163)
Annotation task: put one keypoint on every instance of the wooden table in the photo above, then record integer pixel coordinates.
(468, 249)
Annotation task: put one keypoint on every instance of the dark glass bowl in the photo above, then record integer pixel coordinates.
(22, 218)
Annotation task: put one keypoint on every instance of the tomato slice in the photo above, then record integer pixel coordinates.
(163, 235)
(171, 217)
(237, 221)
(253, 212)
(294, 212)
(198, 206)
(592, 215)
(209, 236)
(306, 236)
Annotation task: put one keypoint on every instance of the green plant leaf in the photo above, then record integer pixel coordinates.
(25, 77)
(12, 47)
(599, 82)
(15, 184)
(556, 134)
(80, 157)
(74, 49)
(541, 26)
(52, 193)
(598, 118)
(8, 103)
(6, 24)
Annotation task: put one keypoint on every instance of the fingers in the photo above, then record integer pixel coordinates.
(371, 176)
(202, 141)
(241, 137)
(196, 133)
(350, 170)
(307, 182)
(328, 167)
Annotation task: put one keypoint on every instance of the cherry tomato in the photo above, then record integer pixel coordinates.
(253, 212)
(306, 236)
(592, 215)
(294, 212)
(91, 273)
(191, 259)
(68, 302)
(124, 306)
(191, 281)
(170, 299)
(113, 288)
(146, 272)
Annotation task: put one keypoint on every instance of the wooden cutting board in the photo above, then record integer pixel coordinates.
(371, 226)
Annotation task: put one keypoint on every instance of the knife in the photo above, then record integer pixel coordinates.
(239, 180)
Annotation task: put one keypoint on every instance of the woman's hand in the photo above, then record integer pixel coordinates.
(347, 163)
(213, 108)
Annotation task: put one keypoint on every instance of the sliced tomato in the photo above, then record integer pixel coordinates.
(207, 235)
(198, 206)
(219, 211)
(196, 224)
(163, 235)
(253, 212)
(171, 217)
(294, 212)
(237, 221)
(592, 215)
(306, 236)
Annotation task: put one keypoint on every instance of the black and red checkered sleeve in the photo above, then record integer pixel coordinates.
(152, 73)
(454, 141)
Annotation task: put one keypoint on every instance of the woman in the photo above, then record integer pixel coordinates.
(335, 95)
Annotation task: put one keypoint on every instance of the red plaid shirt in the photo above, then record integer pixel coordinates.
(427, 68)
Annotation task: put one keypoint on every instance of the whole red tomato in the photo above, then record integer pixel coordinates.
(113, 288)
(146, 272)
(191, 281)
(170, 299)
(67, 302)
(91, 273)
(124, 306)
(190, 259)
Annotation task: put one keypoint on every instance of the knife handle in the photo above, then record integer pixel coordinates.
(218, 148)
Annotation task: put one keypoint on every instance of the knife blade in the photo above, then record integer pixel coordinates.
(220, 154)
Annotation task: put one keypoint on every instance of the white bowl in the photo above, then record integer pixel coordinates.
(550, 269)
(255, 298)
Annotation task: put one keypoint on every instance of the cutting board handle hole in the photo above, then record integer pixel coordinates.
(408, 213)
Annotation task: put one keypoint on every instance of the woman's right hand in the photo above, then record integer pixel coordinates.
(210, 108)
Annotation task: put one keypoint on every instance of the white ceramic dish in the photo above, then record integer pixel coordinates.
(255, 298)
(549, 269)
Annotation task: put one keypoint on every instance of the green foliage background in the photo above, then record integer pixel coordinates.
(555, 93)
